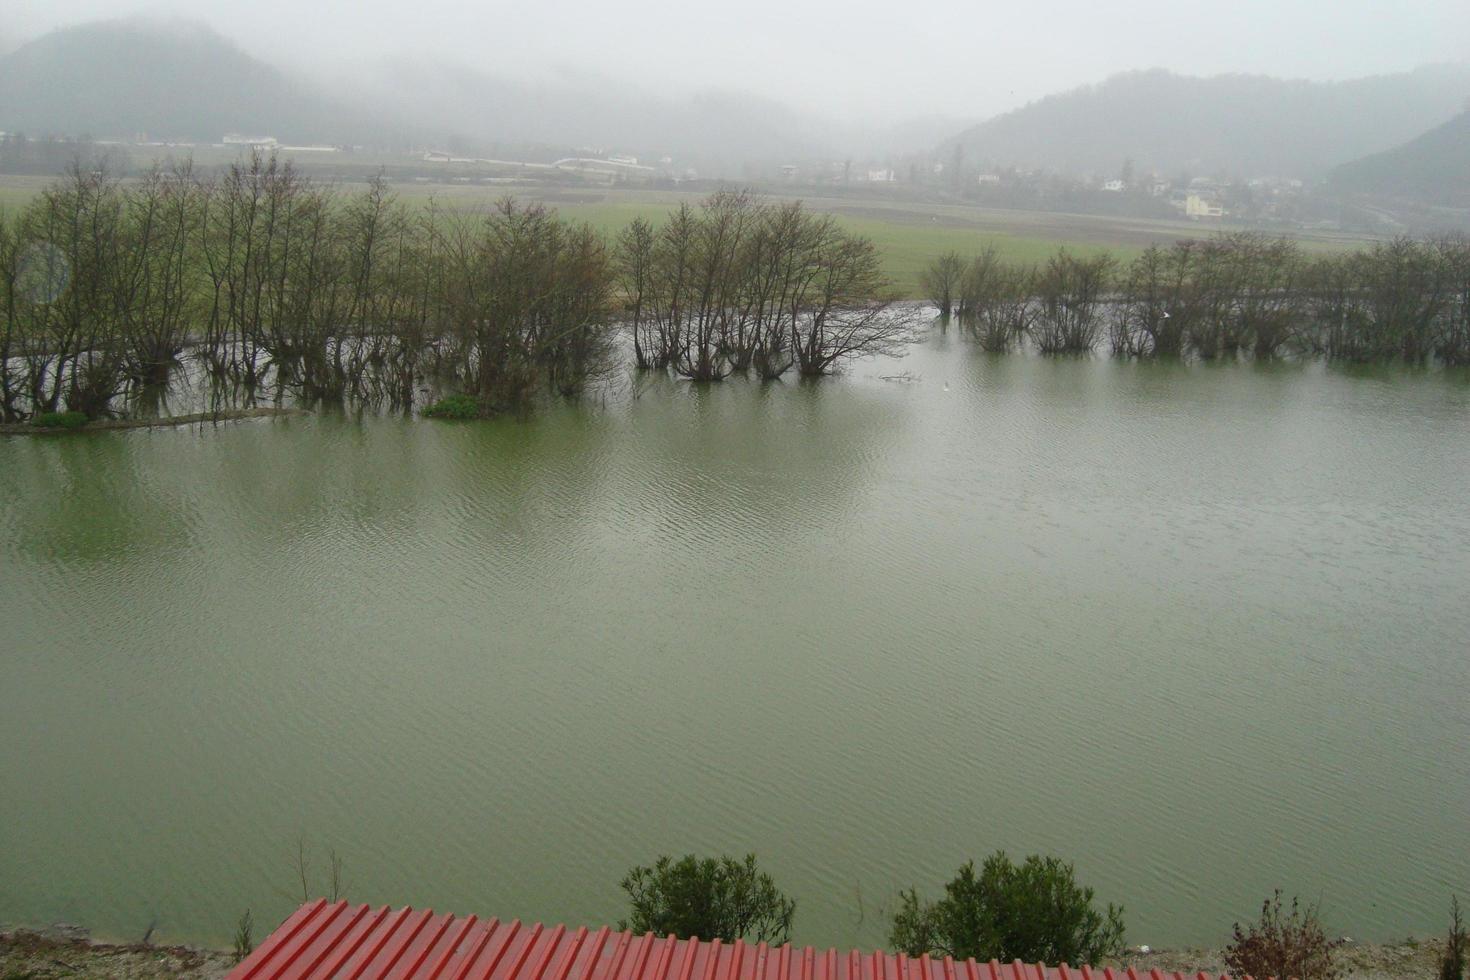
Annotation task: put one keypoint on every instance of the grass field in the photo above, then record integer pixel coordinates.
(908, 233)
(907, 245)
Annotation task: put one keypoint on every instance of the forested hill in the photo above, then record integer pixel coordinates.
(1226, 125)
(1433, 167)
(163, 80)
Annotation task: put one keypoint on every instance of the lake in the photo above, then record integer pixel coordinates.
(1202, 629)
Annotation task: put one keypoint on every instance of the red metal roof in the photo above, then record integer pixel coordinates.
(356, 942)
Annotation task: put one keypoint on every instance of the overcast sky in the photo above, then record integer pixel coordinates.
(887, 58)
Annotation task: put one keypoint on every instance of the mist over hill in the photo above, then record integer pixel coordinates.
(176, 80)
(1226, 125)
(1433, 167)
(181, 81)
(488, 112)
(165, 81)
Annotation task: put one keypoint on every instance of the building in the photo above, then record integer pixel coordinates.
(886, 176)
(264, 142)
(987, 179)
(1200, 206)
(335, 940)
(1115, 185)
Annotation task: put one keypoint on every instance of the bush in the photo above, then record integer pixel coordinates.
(60, 420)
(1452, 967)
(1280, 945)
(1034, 911)
(454, 407)
(712, 898)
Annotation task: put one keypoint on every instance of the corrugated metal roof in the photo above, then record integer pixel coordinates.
(337, 941)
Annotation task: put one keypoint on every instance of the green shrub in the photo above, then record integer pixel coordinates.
(60, 420)
(1034, 911)
(713, 899)
(1280, 945)
(454, 407)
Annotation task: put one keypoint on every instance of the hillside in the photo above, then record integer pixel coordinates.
(493, 111)
(165, 81)
(1433, 168)
(182, 81)
(1227, 125)
(715, 131)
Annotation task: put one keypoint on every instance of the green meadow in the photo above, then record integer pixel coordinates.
(906, 246)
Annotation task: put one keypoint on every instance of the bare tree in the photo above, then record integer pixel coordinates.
(941, 280)
(853, 314)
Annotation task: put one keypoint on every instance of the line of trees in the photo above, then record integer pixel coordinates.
(1240, 293)
(275, 284)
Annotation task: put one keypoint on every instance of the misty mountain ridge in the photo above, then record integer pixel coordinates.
(183, 81)
(708, 128)
(1433, 167)
(169, 80)
(178, 80)
(1224, 125)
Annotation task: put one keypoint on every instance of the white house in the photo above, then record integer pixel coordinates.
(1115, 185)
(984, 179)
(886, 176)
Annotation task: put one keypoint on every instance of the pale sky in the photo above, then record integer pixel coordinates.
(881, 59)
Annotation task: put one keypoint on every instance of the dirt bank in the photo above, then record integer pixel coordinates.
(1408, 959)
(65, 951)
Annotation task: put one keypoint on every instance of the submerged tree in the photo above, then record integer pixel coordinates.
(941, 281)
(1070, 295)
(995, 304)
(737, 284)
(278, 284)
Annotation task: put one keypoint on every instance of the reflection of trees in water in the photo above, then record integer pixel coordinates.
(91, 500)
(770, 458)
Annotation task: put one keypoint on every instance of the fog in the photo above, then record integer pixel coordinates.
(855, 61)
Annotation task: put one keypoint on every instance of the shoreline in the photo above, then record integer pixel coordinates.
(69, 951)
(113, 425)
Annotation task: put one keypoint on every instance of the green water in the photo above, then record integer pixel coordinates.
(1204, 630)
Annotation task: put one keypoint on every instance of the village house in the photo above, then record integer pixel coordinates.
(1198, 205)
